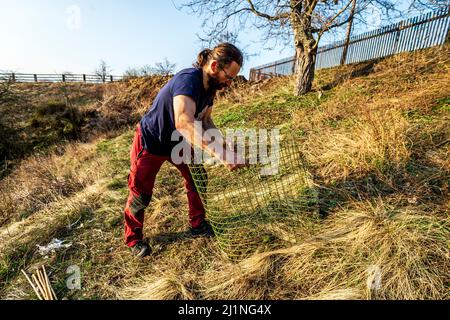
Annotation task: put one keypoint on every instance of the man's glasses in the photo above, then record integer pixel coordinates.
(228, 76)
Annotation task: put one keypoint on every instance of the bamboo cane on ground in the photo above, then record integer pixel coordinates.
(44, 284)
(38, 285)
(49, 285)
(32, 285)
(41, 284)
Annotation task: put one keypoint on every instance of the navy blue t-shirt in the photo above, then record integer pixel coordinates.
(158, 123)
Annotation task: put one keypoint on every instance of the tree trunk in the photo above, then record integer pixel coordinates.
(349, 31)
(305, 65)
(305, 44)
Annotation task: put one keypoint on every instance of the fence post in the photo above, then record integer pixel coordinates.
(35, 78)
(63, 78)
(294, 64)
(111, 77)
(397, 36)
(13, 77)
(447, 37)
(84, 78)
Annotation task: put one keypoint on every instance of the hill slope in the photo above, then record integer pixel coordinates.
(377, 138)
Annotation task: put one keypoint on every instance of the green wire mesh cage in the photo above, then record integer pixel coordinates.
(251, 210)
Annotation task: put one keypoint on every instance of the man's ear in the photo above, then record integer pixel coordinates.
(214, 66)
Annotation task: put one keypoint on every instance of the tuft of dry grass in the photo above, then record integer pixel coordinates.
(377, 141)
(169, 286)
(125, 102)
(41, 180)
(338, 294)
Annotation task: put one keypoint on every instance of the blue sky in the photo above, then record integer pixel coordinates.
(54, 36)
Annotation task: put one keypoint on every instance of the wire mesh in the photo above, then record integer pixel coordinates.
(251, 211)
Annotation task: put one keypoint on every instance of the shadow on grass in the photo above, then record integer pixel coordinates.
(161, 241)
(358, 70)
(421, 182)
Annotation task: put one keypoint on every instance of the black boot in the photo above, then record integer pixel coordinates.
(140, 249)
(205, 229)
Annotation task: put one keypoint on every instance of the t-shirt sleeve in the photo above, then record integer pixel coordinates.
(187, 85)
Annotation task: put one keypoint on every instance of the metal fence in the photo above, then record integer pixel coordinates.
(29, 77)
(420, 32)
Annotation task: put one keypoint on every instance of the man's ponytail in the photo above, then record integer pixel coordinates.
(224, 53)
(203, 58)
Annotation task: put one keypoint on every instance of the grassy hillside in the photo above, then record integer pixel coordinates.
(38, 118)
(377, 138)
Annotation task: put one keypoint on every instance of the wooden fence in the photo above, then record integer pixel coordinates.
(86, 78)
(420, 32)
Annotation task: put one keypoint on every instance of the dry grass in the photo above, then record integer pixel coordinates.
(375, 251)
(242, 92)
(376, 142)
(125, 102)
(405, 245)
(41, 180)
(19, 239)
(31, 124)
(171, 286)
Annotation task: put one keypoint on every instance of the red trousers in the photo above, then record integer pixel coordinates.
(144, 168)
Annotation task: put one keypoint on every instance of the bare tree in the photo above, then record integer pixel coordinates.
(144, 71)
(302, 22)
(164, 68)
(424, 5)
(103, 70)
(147, 70)
(131, 72)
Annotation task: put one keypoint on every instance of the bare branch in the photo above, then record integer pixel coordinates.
(264, 15)
(329, 25)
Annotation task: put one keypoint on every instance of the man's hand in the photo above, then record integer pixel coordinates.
(233, 167)
(234, 161)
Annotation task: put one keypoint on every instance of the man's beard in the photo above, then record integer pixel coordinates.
(214, 84)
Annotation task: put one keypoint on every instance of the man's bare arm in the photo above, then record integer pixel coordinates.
(184, 111)
(208, 124)
(208, 121)
(184, 114)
